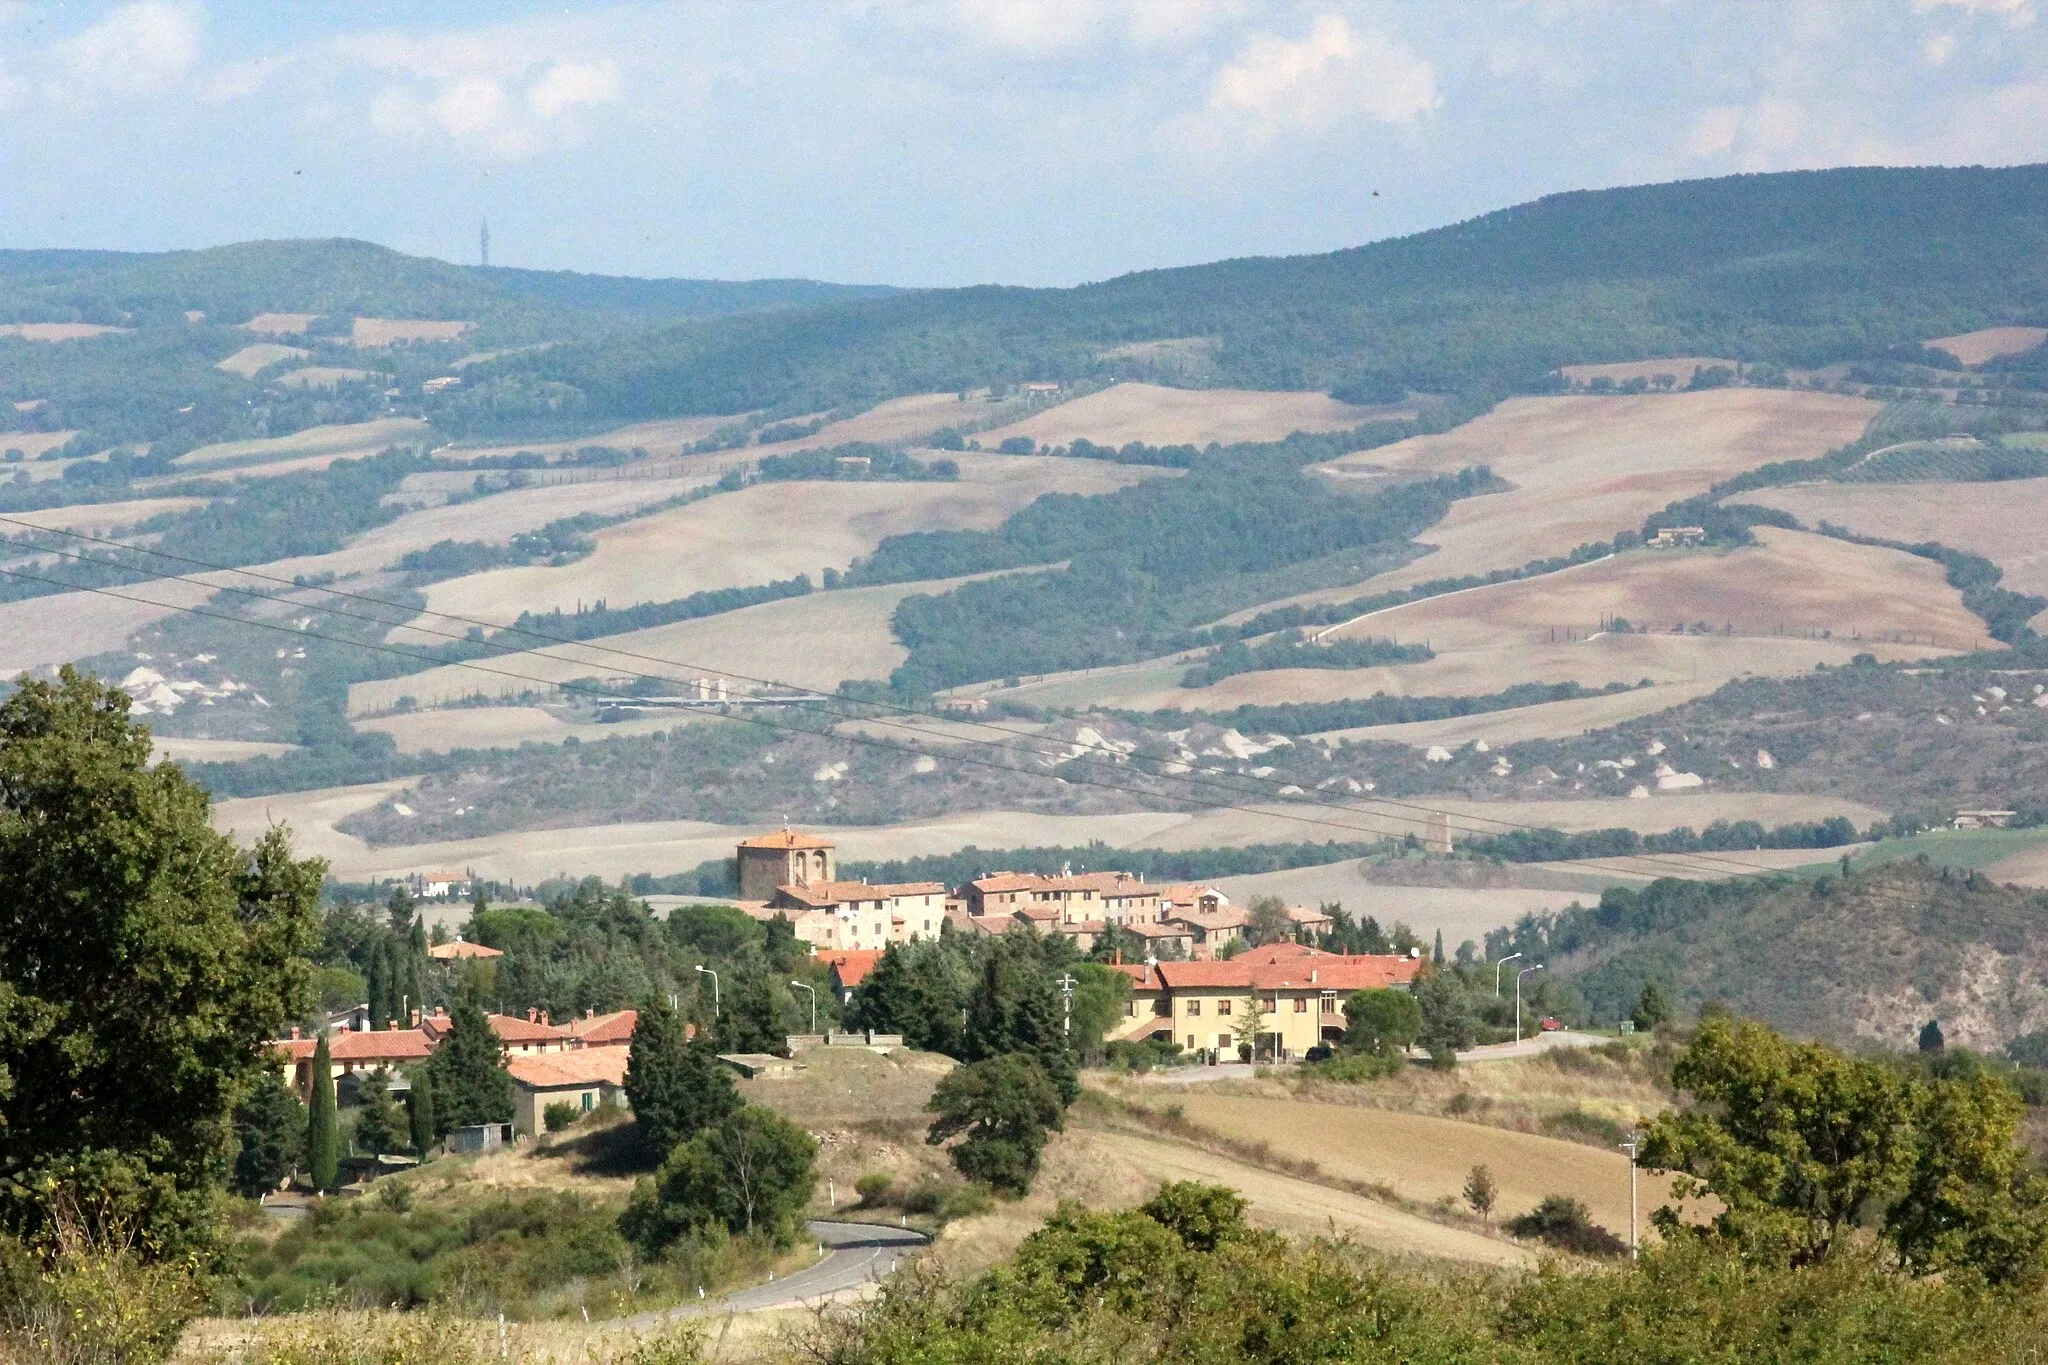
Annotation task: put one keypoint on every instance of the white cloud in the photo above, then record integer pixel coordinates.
(2015, 12)
(138, 49)
(1767, 134)
(570, 85)
(1050, 28)
(1938, 49)
(1315, 83)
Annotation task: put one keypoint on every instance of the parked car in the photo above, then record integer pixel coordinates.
(1551, 1025)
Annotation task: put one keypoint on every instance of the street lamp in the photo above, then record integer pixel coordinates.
(1518, 996)
(1066, 983)
(714, 994)
(1635, 1140)
(800, 986)
(1496, 972)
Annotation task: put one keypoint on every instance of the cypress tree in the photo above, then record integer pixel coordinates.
(676, 1087)
(323, 1124)
(1436, 955)
(378, 985)
(421, 1106)
(470, 1081)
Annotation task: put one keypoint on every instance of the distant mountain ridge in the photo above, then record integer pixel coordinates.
(345, 276)
(1797, 268)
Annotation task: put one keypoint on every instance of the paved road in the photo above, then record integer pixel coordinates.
(857, 1254)
(1529, 1047)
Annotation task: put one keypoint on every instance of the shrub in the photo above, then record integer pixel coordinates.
(1563, 1222)
(1580, 1126)
(1355, 1067)
(874, 1188)
(94, 1303)
(560, 1115)
(1443, 1058)
(751, 1174)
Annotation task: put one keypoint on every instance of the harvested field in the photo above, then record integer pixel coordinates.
(280, 324)
(2001, 521)
(660, 847)
(1302, 1208)
(671, 437)
(504, 727)
(39, 633)
(31, 444)
(214, 750)
(890, 423)
(772, 531)
(1460, 913)
(1547, 720)
(1587, 467)
(1680, 368)
(1161, 416)
(816, 641)
(936, 731)
(98, 518)
(385, 331)
(1423, 1157)
(1974, 348)
(324, 377)
(328, 444)
(58, 331)
(2029, 868)
(1365, 819)
(1790, 583)
(1626, 659)
(258, 356)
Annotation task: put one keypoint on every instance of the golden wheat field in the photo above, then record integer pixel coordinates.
(506, 727)
(329, 443)
(385, 331)
(58, 331)
(1974, 348)
(1545, 720)
(2002, 521)
(98, 518)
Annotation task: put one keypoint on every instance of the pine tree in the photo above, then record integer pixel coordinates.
(421, 1111)
(398, 911)
(676, 1087)
(323, 1124)
(378, 1122)
(468, 1070)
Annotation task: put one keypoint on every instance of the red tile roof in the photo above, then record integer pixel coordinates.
(851, 965)
(1006, 881)
(786, 838)
(458, 949)
(379, 1047)
(1322, 971)
(567, 1070)
(510, 1028)
(604, 1030)
(822, 894)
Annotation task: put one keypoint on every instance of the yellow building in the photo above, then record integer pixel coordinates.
(1292, 996)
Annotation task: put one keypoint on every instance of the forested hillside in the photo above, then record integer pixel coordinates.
(1870, 956)
(1797, 268)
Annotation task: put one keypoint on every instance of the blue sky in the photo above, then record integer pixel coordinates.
(953, 141)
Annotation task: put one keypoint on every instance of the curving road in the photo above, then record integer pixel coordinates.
(858, 1254)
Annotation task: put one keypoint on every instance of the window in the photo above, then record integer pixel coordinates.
(1130, 1009)
(1223, 1007)
(1162, 1006)
(588, 1100)
(1223, 1042)
(1194, 1007)
(1329, 1002)
(1191, 1042)
(1301, 1004)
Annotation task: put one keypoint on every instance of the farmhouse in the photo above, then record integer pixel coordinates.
(603, 1030)
(349, 1053)
(848, 968)
(583, 1079)
(1290, 997)
(442, 885)
(1983, 819)
(460, 950)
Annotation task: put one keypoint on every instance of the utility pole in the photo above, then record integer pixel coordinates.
(1496, 972)
(1518, 996)
(1635, 1140)
(1066, 984)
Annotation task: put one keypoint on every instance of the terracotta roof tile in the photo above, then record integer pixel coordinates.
(851, 965)
(605, 1029)
(786, 838)
(562, 1070)
(446, 952)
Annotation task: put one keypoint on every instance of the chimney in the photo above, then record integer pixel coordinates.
(532, 1015)
(295, 1033)
(589, 1012)
(415, 1018)
(544, 1019)
(1314, 976)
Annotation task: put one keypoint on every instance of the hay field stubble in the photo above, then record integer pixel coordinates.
(1157, 415)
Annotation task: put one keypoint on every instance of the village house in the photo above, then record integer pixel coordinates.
(602, 1030)
(460, 951)
(1077, 899)
(1210, 932)
(349, 1053)
(847, 968)
(792, 874)
(1296, 995)
(583, 1079)
(442, 885)
(527, 1037)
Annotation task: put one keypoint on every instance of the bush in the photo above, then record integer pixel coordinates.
(946, 1200)
(1356, 1067)
(1442, 1058)
(875, 1188)
(1579, 1126)
(94, 1303)
(1563, 1222)
(560, 1115)
(1005, 1106)
(749, 1175)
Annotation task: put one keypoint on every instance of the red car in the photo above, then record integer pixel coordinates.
(1550, 1025)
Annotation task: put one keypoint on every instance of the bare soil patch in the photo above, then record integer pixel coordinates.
(32, 444)
(665, 438)
(280, 324)
(1974, 348)
(352, 441)
(772, 531)
(258, 356)
(2001, 521)
(1162, 416)
(214, 750)
(99, 518)
(1546, 720)
(1459, 913)
(506, 727)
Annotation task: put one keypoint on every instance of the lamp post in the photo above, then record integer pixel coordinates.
(800, 986)
(1635, 1140)
(1496, 972)
(1518, 996)
(714, 993)
(1066, 983)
